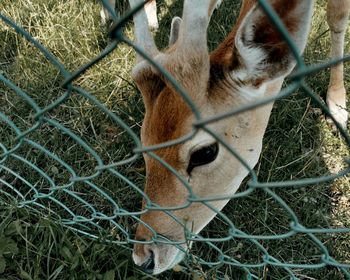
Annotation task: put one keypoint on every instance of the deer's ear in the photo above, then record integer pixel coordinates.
(260, 52)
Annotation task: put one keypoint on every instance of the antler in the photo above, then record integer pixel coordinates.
(143, 35)
(196, 16)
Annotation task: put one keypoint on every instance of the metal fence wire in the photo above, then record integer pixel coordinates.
(84, 205)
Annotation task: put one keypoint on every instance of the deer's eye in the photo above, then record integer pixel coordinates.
(203, 156)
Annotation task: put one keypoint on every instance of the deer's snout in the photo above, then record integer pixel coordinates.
(144, 257)
(155, 257)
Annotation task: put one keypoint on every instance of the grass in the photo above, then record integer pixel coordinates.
(298, 144)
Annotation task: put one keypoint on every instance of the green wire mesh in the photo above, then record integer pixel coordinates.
(81, 203)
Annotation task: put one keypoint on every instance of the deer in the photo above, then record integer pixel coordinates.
(250, 64)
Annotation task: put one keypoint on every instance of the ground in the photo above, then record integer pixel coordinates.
(33, 245)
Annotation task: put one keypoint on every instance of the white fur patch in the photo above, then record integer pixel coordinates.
(253, 59)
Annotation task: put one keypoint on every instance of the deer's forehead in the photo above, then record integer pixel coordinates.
(169, 117)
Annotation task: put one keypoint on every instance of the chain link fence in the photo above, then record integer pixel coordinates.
(33, 175)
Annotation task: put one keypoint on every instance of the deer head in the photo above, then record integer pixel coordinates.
(250, 64)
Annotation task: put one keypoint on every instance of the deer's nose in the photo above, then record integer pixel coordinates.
(144, 257)
(149, 264)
